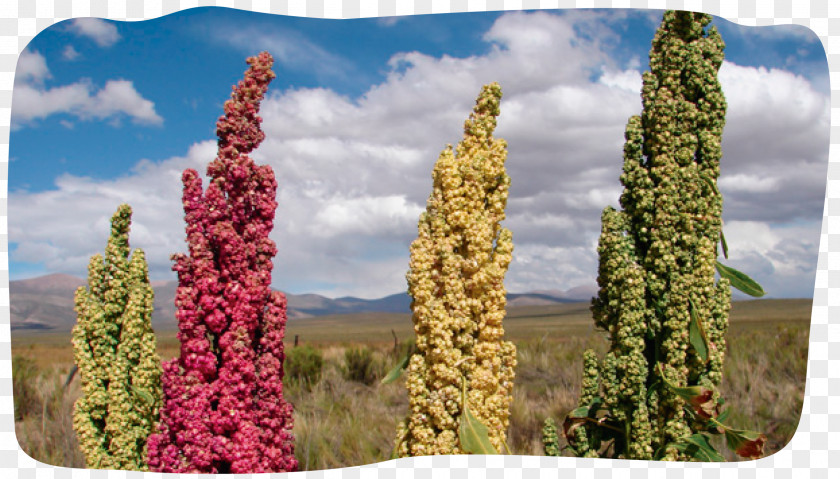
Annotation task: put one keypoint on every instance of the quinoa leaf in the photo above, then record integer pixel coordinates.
(474, 436)
(739, 280)
(696, 333)
(698, 447)
(723, 245)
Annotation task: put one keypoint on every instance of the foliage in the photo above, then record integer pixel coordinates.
(224, 410)
(114, 349)
(551, 439)
(360, 365)
(456, 274)
(24, 373)
(340, 423)
(654, 395)
(304, 365)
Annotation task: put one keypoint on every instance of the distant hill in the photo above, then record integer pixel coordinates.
(46, 303)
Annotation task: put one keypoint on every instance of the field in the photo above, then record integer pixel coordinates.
(342, 422)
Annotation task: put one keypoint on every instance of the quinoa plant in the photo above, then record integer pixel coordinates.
(114, 349)
(223, 409)
(654, 395)
(460, 376)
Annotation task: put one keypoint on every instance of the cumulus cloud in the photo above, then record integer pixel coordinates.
(783, 257)
(32, 100)
(31, 68)
(103, 33)
(70, 53)
(81, 208)
(775, 145)
(354, 173)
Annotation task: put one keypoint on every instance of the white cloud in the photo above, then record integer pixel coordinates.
(630, 80)
(100, 31)
(782, 259)
(149, 188)
(748, 183)
(70, 53)
(775, 145)
(373, 216)
(119, 96)
(353, 174)
(32, 68)
(32, 100)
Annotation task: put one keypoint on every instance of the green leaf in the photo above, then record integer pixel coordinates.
(146, 396)
(696, 334)
(474, 436)
(723, 245)
(739, 280)
(507, 448)
(579, 412)
(712, 184)
(698, 447)
(395, 373)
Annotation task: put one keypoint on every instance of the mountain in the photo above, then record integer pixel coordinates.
(46, 303)
(43, 303)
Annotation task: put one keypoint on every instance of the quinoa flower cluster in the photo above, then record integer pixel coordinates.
(658, 255)
(114, 349)
(457, 268)
(224, 410)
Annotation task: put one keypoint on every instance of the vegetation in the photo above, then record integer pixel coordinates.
(647, 382)
(360, 365)
(224, 410)
(341, 423)
(114, 349)
(304, 365)
(460, 378)
(654, 395)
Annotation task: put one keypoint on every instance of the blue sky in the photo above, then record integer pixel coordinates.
(108, 112)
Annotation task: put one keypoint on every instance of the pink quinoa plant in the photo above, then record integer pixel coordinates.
(223, 408)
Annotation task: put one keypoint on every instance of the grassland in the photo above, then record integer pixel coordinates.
(339, 422)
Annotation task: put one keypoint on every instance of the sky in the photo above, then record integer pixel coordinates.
(108, 112)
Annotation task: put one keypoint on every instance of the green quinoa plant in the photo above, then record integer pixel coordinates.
(654, 395)
(460, 377)
(114, 349)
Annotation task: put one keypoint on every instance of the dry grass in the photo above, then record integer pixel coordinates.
(45, 430)
(341, 423)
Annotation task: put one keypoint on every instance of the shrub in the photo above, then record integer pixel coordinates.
(24, 391)
(360, 365)
(304, 365)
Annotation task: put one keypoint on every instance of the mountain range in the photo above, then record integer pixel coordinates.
(45, 303)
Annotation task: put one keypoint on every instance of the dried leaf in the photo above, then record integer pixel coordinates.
(749, 444)
(701, 399)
